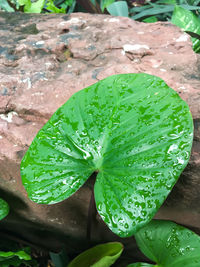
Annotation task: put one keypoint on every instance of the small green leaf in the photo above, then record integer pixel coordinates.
(132, 130)
(35, 7)
(151, 19)
(24, 2)
(105, 3)
(16, 258)
(119, 8)
(51, 7)
(21, 254)
(160, 9)
(169, 244)
(186, 20)
(4, 209)
(142, 264)
(100, 256)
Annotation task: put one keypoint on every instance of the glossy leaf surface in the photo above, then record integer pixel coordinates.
(100, 256)
(186, 20)
(132, 129)
(4, 209)
(169, 244)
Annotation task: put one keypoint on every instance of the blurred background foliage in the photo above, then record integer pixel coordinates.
(147, 10)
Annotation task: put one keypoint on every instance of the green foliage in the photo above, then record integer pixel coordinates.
(5, 6)
(105, 3)
(168, 244)
(142, 264)
(16, 258)
(4, 209)
(100, 256)
(162, 9)
(132, 130)
(119, 8)
(29, 7)
(186, 20)
(151, 19)
(50, 6)
(54, 6)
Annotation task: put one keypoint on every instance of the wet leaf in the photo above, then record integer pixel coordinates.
(169, 244)
(186, 20)
(100, 256)
(4, 209)
(132, 129)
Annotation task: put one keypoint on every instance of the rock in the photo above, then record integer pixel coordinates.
(44, 59)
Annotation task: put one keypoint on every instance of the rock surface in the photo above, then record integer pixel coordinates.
(44, 59)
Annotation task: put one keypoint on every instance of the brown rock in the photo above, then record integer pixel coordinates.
(44, 59)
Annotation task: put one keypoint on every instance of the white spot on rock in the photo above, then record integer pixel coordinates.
(183, 88)
(163, 70)
(28, 80)
(113, 20)
(8, 117)
(40, 43)
(72, 21)
(48, 63)
(156, 63)
(183, 38)
(129, 47)
(38, 94)
(1, 137)
(140, 33)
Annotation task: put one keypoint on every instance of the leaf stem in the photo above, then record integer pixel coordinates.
(92, 210)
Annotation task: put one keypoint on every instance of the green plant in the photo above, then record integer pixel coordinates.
(16, 258)
(39, 6)
(168, 244)
(162, 9)
(103, 255)
(8, 255)
(4, 209)
(130, 131)
(186, 20)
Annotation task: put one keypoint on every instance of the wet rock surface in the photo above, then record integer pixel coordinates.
(44, 59)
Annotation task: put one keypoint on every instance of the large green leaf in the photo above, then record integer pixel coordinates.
(169, 244)
(132, 129)
(103, 255)
(186, 20)
(4, 209)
